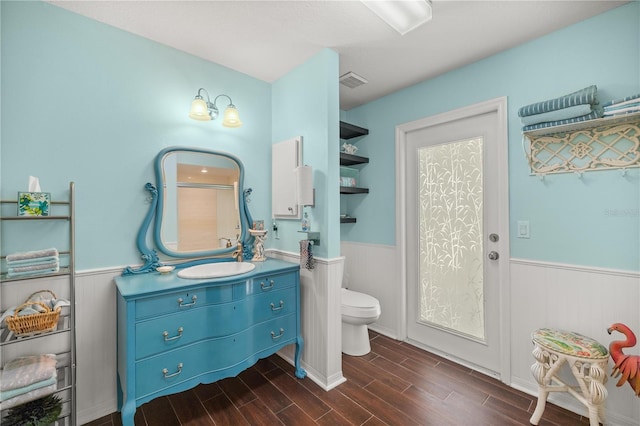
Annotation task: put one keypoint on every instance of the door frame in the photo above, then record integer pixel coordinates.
(499, 106)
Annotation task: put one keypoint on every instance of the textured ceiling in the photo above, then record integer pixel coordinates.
(266, 39)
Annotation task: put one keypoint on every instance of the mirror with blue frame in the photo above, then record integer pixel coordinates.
(198, 208)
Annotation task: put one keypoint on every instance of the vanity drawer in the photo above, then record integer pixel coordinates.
(272, 304)
(211, 355)
(190, 326)
(273, 333)
(185, 363)
(271, 283)
(195, 324)
(183, 301)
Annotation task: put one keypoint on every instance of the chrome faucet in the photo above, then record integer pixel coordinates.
(238, 253)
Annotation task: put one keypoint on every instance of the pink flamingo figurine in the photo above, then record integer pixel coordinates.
(627, 366)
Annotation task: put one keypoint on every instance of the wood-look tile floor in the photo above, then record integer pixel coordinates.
(395, 384)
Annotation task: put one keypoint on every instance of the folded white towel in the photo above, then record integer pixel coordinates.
(24, 371)
(32, 254)
(29, 268)
(34, 261)
(12, 393)
(29, 396)
(49, 270)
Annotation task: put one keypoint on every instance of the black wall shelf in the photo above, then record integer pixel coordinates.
(349, 131)
(352, 160)
(353, 190)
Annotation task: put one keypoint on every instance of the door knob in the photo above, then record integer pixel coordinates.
(493, 255)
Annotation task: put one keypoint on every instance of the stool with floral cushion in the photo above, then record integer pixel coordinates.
(587, 360)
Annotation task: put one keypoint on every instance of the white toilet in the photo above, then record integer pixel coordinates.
(358, 311)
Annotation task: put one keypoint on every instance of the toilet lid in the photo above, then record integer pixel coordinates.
(358, 300)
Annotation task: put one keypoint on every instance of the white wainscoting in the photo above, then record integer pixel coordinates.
(320, 319)
(373, 269)
(96, 343)
(585, 300)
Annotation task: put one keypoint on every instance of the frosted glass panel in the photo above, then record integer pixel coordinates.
(451, 253)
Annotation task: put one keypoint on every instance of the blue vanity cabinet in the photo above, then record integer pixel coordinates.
(175, 333)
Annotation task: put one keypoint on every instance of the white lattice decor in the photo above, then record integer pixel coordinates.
(593, 145)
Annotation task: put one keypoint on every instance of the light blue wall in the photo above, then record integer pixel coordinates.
(593, 221)
(85, 102)
(306, 100)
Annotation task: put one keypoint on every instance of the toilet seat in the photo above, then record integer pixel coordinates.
(359, 305)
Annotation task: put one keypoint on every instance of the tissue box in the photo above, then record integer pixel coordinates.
(34, 203)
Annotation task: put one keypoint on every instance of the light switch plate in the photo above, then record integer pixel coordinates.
(523, 229)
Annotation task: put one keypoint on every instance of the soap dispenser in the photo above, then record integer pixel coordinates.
(306, 226)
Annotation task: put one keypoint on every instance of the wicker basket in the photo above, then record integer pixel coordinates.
(24, 325)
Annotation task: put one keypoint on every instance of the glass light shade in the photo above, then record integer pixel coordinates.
(199, 110)
(231, 117)
(403, 16)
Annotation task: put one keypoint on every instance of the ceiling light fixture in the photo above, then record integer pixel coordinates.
(402, 15)
(205, 110)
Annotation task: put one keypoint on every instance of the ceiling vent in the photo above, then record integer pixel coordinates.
(352, 80)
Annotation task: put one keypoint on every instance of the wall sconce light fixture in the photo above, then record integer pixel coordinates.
(206, 110)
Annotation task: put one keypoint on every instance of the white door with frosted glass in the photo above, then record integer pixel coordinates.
(453, 235)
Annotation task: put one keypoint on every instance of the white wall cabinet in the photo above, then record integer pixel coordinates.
(286, 156)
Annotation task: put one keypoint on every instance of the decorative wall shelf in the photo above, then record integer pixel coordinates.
(349, 131)
(605, 143)
(353, 190)
(352, 160)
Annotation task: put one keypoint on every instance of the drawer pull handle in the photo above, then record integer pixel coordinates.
(265, 287)
(166, 374)
(168, 339)
(277, 308)
(276, 337)
(187, 305)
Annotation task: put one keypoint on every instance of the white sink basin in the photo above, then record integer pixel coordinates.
(216, 270)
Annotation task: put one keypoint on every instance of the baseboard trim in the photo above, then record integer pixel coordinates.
(97, 411)
(326, 384)
(384, 331)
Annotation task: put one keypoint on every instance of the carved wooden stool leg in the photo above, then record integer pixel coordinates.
(542, 402)
(543, 370)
